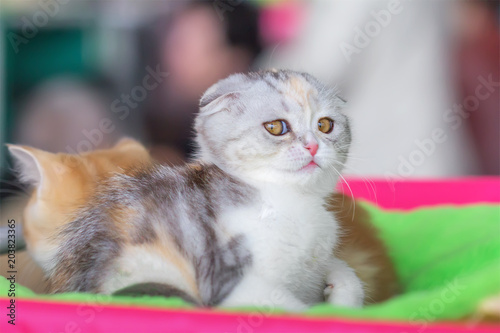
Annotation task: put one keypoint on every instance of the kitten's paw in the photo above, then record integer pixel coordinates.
(344, 289)
(328, 290)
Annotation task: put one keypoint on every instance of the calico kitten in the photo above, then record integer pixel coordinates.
(247, 223)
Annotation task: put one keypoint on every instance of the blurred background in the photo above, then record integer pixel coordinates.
(421, 77)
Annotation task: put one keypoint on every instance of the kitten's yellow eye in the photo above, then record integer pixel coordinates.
(325, 125)
(276, 127)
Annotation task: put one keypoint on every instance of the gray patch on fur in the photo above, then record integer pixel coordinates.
(90, 243)
(143, 232)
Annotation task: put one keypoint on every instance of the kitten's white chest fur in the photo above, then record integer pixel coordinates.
(291, 236)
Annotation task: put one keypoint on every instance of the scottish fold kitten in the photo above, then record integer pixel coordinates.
(245, 224)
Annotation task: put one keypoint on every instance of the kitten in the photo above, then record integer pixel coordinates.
(247, 223)
(63, 183)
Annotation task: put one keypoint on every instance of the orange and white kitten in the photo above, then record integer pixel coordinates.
(63, 183)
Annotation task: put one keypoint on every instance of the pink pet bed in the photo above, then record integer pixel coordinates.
(58, 315)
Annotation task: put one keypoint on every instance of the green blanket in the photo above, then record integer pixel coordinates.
(447, 259)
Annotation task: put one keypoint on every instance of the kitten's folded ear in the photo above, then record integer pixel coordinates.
(28, 162)
(225, 89)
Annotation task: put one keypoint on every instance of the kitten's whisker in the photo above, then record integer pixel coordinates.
(365, 180)
(352, 194)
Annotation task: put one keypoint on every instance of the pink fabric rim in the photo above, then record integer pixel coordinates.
(49, 316)
(410, 194)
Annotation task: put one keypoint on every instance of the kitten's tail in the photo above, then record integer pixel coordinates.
(155, 289)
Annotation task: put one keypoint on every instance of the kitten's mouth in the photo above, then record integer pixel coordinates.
(310, 167)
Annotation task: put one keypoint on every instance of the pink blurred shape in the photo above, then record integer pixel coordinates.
(281, 21)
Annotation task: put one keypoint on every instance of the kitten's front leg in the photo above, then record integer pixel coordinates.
(343, 288)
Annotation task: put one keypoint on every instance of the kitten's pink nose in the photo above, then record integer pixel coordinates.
(312, 147)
